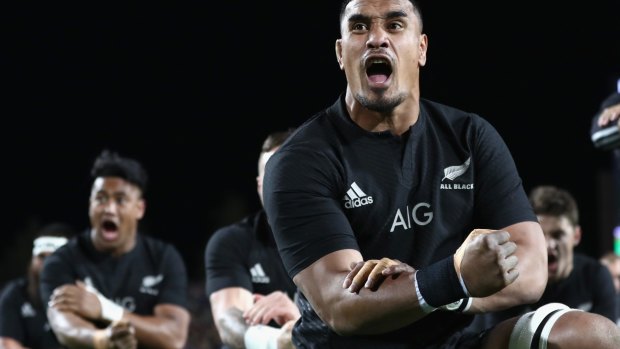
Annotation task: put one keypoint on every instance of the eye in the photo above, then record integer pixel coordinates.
(101, 199)
(358, 27)
(396, 25)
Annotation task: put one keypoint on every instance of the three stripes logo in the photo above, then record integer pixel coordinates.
(258, 274)
(355, 197)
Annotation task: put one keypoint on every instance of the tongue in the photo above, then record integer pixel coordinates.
(109, 234)
(378, 78)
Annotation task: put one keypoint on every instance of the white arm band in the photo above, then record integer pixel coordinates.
(110, 311)
(261, 337)
(463, 285)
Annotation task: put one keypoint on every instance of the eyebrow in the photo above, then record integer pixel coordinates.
(365, 18)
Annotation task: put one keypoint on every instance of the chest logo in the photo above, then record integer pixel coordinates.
(28, 310)
(258, 274)
(149, 284)
(452, 172)
(355, 197)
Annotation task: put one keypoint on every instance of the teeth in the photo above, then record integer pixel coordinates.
(377, 60)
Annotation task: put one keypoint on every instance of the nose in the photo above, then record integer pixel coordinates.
(110, 207)
(377, 37)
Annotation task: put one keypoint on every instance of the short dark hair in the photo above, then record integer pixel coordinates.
(110, 164)
(554, 201)
(275, 139)
(416, 10)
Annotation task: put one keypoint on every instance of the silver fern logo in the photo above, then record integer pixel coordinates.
(453, 172)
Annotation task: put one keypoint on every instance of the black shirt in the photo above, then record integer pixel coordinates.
(244, 254)
(333, 186)
(152, 273)
(23, 320)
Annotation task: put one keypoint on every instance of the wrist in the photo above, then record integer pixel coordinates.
(100, 339)
(439, 283)
(110, 311)
(426, 308)
(261, 337)
(460, 306)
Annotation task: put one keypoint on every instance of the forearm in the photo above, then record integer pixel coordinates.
(71, 330)
(393, 305)
(161, 331)
(231, 327)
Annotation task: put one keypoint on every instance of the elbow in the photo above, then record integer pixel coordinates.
(534, 286)
(538, 286)
(340, 322)
(176, 342)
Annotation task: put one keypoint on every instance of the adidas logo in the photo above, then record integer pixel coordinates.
(258, 274)
(28, 310)
(356, 197)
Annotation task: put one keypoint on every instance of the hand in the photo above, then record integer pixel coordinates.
(370, 274)
(118, 335)
(122, 335)
(285, 338)
(609, 114)
(486, 261)
(77, 299)
(276, 306)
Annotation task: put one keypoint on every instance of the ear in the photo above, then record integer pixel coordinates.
(577, 235)
(422, 47)
(141, 208)
(338, 48)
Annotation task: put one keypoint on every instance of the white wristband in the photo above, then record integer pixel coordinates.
(426, 308)
(461, 306)
(261, 337)
(110, 311)
(463, 285)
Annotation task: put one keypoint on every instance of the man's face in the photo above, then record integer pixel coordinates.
(116, 206)
(562, 237)
(381, 50)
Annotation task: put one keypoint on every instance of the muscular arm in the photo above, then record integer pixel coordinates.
(529, 286)
(74, 308)
(227, 307)
(71, 330)
(348, 313)
(166, 329)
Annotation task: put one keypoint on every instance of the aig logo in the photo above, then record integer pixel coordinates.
(420, 214)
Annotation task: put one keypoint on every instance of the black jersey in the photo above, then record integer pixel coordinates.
(152, 273)
(334, 186)
(23, 320)
(244, 254)
(589, 287)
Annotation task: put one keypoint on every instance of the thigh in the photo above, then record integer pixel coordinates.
(574, 329)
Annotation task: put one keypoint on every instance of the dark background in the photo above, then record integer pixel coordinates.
(192, 88)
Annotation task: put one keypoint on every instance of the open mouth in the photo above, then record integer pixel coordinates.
(109, 230)
(378, 70)
(552, 262)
